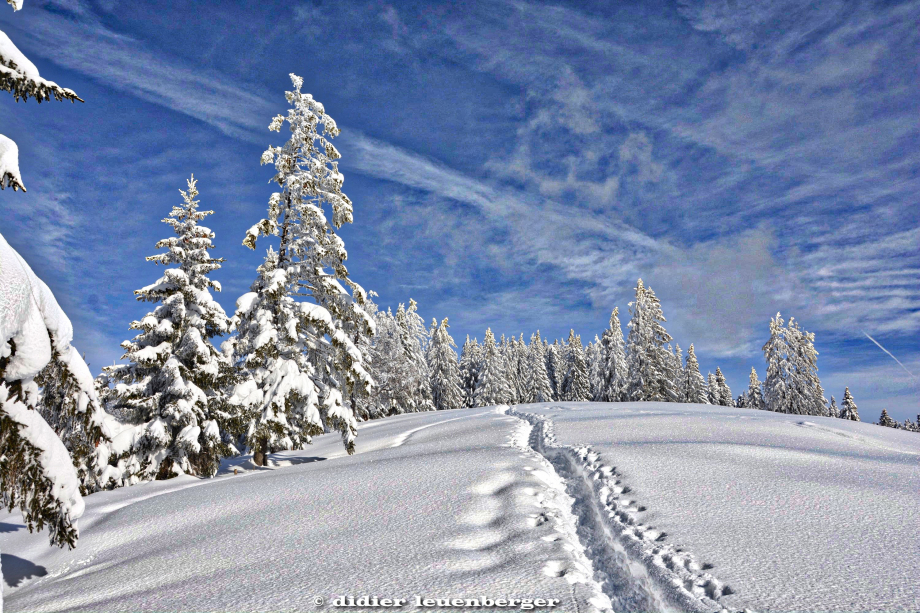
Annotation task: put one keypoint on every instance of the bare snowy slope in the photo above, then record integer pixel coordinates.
(791, 513)
(626, 507)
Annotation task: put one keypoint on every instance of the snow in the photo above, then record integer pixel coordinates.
(794, 514)
(9, 165)
(456, 511)
(625, 506)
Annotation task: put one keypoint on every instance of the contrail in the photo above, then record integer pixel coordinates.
(889, 353)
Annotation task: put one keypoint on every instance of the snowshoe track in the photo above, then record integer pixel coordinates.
(638, 570)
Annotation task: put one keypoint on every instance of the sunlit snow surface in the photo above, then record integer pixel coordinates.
(795, 513)
(448, 510)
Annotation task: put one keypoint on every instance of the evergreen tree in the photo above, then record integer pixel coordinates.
(555, 368)
(576, 387)
(469, 370)
(78, 418)
(507, 352)
(833, 410)
(848, 410)
(647, 357)
(310, 262)
(792, 384)
(885, 420)
(713, 393)
(445, 372)
(594, 355)
(680, 382)
(175, 380)
(493, 388)
(391, 368)
(614, 358)
(754, 396)
(694, 384)
(540, 389)
(418, 377)
(725, 393)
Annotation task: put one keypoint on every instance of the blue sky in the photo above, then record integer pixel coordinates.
(515, 165)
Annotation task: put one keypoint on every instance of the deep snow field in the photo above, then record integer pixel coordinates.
(668, 507)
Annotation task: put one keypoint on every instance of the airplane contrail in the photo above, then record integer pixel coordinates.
(889, 353)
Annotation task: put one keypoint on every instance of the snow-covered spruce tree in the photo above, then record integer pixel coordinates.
(176, 379)
(713, 394)
(848, 410)
(613, 349)
(390, 367)
(725, 393)
(37, 475)
(673, 374)
(833, 410)
(492, 388)
(677, 371)
(300, 355)
(413, 336)
(445, 372)
(521, 359)
(595, 356)
(555, 367)
(792, 384)
(647, 357)
(469, 370)
(79, 419)
(576, 386)
(694, 384)
(506, 351)
(540, 389)
(753, 398)
(885, 420)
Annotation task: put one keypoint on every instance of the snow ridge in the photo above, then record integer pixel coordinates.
(638, 571)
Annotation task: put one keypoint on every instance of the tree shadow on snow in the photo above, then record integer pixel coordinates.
(16, 569)
(5, 527)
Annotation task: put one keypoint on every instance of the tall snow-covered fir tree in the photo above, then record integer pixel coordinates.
(575, 385)
(539, 388)
(677, 371)
(492, 387)
(713, 393)
(694, 385)
(175, 381)
(391, 368)
(302, 357)
(848, 410)
(616, 373)
(470, 361)
(414, 337)
(595, 356)
(724, 392)
(647, 357)
(445, 372)
(555, 367)
(792, 384)
(753, 398)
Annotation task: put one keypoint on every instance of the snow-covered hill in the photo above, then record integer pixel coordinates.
(791, 514)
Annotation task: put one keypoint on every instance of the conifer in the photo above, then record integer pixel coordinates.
(174, 384)
(848, 410)
(445, 372)
(694, 384)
